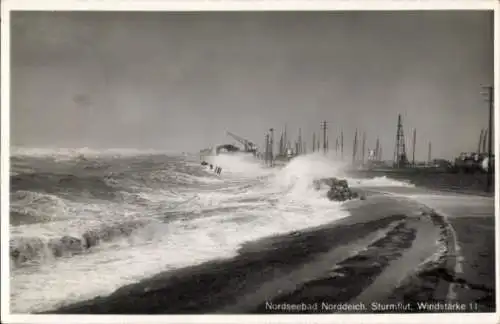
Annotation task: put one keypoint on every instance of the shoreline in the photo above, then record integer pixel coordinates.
(334, 263)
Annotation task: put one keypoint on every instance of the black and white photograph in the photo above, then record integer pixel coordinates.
(265, 162)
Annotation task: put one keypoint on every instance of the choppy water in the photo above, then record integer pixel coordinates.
(84, 223)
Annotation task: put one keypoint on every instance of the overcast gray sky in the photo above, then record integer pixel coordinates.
(177, 81)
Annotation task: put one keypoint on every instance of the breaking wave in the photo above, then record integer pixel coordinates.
(103, 221)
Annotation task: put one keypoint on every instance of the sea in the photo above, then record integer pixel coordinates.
(84, 223)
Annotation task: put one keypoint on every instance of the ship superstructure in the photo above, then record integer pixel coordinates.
(248, 147)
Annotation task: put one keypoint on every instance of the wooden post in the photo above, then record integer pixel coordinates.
(429, 153)
(266, 152)
(271, 144)
(489, 180)
(484, 140)
(300, 141)
(414, 143)
(355, 146)
(342, 145)
(480, 142)
(323, 126)
(314, 142)
(363, 148)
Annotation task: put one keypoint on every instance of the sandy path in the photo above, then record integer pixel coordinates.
(471, 220)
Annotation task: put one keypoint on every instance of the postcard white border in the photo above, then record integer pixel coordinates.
(224, 5)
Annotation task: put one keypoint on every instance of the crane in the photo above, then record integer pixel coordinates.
(249, 146)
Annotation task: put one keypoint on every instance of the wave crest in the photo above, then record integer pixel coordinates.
(34, 250)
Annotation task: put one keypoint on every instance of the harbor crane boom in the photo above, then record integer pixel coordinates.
(249, 146)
